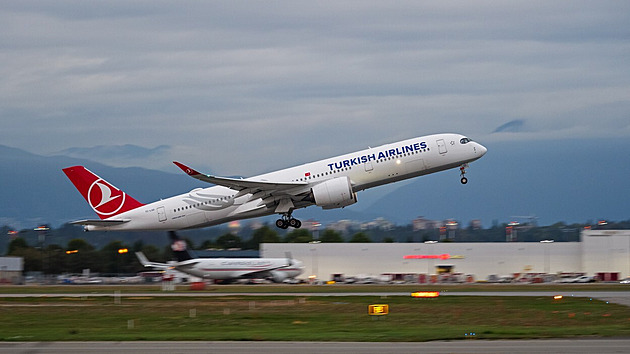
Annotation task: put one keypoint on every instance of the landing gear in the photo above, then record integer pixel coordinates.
(280, 223)
(295, 223)
(462, 171)
(287, 220)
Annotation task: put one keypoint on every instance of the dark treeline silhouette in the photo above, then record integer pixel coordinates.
(68, 249)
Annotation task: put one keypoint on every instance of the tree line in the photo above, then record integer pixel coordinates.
(65, 250)
(117, 257)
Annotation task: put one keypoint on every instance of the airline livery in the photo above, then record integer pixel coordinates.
(226, 270)
(330, 183)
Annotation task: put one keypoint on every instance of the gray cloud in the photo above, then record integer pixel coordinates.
(239, 87)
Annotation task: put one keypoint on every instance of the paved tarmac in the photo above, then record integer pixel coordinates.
(577, 346)
(619, 297)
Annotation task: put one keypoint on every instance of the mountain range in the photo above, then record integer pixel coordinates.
(565, 180)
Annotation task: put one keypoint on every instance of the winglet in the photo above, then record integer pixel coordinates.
(189, 170)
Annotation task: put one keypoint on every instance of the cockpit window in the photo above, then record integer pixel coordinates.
(464, 141)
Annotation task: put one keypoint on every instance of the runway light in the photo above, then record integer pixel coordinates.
(122, 250)
(425, 294)
(558, 297)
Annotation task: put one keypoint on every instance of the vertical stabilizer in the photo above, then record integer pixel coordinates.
(105, 199)
(179, 247)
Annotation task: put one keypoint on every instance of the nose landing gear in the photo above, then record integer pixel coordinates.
(462, 171)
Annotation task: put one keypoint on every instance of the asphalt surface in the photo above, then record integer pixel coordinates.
(577, 346)
(619, 297)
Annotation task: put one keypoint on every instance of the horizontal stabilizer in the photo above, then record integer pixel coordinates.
(145, 262)
(107, 222)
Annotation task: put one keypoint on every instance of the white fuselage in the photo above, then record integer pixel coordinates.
(277, 269)
(366, 169)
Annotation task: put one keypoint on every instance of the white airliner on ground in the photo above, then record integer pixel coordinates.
(330, 183)
(226, 269)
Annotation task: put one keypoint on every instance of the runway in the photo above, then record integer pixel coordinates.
(465, 346)
(619, 297)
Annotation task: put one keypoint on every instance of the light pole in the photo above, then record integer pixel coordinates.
(121, 251)
(430, 259)
(41, 237)
(315, 227)
(314, 259)
(68, 262)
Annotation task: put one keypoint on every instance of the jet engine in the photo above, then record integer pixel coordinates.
(334, 193)
(278, 277)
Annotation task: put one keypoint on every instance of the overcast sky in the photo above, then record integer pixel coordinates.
(245, 87)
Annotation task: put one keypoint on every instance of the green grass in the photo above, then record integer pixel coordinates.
(307, 318)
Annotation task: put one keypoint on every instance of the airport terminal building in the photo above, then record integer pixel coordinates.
(600, 252)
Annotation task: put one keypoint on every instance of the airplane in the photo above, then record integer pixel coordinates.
(226, 270)
(330, 183)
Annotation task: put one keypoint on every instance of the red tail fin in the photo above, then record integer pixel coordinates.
(103, 197)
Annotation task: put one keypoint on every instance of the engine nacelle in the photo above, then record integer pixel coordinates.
(278, 277)
(334, 193)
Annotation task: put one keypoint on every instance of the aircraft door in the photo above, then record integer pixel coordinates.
(161, 214)
(442, 146)
(368, 166)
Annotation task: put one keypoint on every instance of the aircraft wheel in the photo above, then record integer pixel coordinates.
(295, 223)
(464, 180)
(282, 224)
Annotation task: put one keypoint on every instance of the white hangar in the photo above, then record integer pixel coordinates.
(598, 251)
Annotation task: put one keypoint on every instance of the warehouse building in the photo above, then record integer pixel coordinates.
(599, 252)
(11, 269)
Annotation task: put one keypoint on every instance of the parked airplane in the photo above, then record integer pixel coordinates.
(330, 183)
(226, 269)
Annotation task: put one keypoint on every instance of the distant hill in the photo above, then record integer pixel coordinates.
(34, 190)
(103, 152)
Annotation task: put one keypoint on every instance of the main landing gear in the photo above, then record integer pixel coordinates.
(462, 171)
(287, 220)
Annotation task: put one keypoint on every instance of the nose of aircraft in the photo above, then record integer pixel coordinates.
(481, 149)
(299, 265)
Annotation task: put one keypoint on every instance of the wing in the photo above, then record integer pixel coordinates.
(281, 194)
(239, 184)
